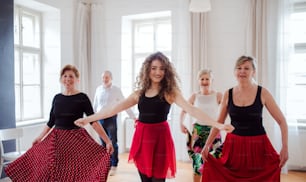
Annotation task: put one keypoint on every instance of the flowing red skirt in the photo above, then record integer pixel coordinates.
(244, 159)
(153, 151)
(64, 155)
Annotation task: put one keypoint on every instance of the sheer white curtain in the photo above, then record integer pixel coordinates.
(97, 44)
(83, 44)
(280, 50)
(88, 43)
(279, 53)
(256, 36)
(284, 54)
(284, 47)
(267, 39)
(199, 51)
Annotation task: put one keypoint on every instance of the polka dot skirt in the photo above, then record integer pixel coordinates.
(64, 155)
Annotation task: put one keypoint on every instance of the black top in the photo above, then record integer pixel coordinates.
(153, 109)
(66, 109)
(247, 120)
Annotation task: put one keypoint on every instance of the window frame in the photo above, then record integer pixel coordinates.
(154, 21)
(129, 57)
(36, 49)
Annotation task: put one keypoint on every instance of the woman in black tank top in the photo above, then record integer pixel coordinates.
(247, 154)
(152, 148)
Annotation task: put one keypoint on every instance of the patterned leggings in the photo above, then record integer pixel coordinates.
(195, 144)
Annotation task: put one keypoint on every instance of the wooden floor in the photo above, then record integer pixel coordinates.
(128, 173)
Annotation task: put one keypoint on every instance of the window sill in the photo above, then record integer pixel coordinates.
(31, 122)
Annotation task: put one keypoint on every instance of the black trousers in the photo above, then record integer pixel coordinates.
(145, 178)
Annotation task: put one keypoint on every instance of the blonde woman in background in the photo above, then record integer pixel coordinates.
(207, 100)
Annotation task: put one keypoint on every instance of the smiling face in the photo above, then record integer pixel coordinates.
(205, 80)
(106, 79)
(157, 71)
(69, 79)
(245, 71)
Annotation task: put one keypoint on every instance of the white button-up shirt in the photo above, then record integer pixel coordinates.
(108, 97)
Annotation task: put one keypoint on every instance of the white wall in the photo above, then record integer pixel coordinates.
(226, 22)
(226, 39)
(66, 9)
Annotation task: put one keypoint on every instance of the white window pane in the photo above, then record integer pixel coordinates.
(31, 69)
(299, 27)
(31, 102)
(28, 104)
(297, 69)
(296, 102)
(296, 98)
(163, 37)
(144, 38)
(30, 31)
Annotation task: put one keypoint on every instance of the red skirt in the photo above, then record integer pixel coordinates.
(244, 159)
(64, 155)
(153, 150)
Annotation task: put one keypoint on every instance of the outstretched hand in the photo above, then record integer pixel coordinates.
(226, 127)
(81, 122)
(184, 129)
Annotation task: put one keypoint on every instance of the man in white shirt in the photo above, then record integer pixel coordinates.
(107, 95)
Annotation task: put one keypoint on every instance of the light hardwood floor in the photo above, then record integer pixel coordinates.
(127, 172)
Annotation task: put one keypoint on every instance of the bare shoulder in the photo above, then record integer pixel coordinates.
(225, 96)
(177, 94)
(265, 95)
(264, 91)
(226, 93)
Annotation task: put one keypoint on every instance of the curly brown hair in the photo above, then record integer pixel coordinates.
(168, 84)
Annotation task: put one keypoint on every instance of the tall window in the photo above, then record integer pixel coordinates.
(28, 66)
(296, 98)
(142, 35)
(150, 36)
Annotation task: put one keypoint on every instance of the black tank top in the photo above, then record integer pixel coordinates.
(247, 120)
(153, 109)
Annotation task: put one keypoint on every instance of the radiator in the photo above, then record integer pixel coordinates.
(128, 132)
(297, 145)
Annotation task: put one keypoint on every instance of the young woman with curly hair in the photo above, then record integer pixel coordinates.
(152, 148)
